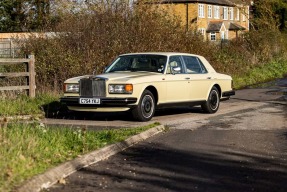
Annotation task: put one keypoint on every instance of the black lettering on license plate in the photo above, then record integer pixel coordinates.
(89, 101)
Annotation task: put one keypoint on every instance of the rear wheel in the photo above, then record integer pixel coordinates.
(212, 103)
(145, 109)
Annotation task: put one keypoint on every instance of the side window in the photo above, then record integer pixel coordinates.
(204, 70)
(175, 65)
(194, 65)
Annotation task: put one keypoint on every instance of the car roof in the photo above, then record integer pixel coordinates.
(159, 53)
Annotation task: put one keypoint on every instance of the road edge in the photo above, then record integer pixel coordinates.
(53, 175)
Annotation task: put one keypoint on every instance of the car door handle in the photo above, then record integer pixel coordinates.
(208, 77)
(187, 78)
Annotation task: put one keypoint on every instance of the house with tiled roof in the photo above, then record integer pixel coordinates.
(214, 19)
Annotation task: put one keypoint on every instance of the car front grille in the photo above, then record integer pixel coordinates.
(92, 87)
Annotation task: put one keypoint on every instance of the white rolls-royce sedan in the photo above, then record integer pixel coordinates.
(144, 82)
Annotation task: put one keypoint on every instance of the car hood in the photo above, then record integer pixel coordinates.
(115, 76)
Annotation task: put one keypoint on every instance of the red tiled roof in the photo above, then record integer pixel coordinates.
(215, 2)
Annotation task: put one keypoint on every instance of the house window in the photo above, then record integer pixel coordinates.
(212, 36)
(201, 10)
(209, 8)
(201, 31)
(225, 13)
(216, 12)
(238, 15)
(231, 13)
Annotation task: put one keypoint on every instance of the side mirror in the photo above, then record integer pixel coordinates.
(161, 69)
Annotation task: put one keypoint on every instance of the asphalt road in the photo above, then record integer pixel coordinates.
(243, 147)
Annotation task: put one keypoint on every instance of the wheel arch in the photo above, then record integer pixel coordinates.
(154, 91)
(218, 88)
(212, 103)
(145, 108)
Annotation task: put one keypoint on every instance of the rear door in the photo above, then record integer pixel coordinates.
(200, 80)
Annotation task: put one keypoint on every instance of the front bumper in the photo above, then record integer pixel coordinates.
(105, 102)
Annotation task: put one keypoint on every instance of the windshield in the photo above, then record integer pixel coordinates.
(151, 63)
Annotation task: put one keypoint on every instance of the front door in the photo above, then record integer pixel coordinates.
(177, 81)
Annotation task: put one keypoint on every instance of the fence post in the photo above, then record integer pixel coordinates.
(32, 82)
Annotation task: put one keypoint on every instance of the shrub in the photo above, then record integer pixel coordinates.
(88, 40)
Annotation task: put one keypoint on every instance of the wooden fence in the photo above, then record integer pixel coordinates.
(30, 74)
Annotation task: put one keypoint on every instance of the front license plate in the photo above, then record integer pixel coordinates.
(89, 101)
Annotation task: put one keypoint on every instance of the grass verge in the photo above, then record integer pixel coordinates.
(23, 105)
(29, 149)
(264, 73)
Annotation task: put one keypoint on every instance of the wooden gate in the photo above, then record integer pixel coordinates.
(30, 74)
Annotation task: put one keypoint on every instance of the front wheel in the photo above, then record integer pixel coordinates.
(212, 103)
(145, 109)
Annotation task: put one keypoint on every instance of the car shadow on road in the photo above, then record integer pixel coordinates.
(163, 168)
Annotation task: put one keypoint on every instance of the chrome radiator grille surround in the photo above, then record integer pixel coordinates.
(92, 87)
